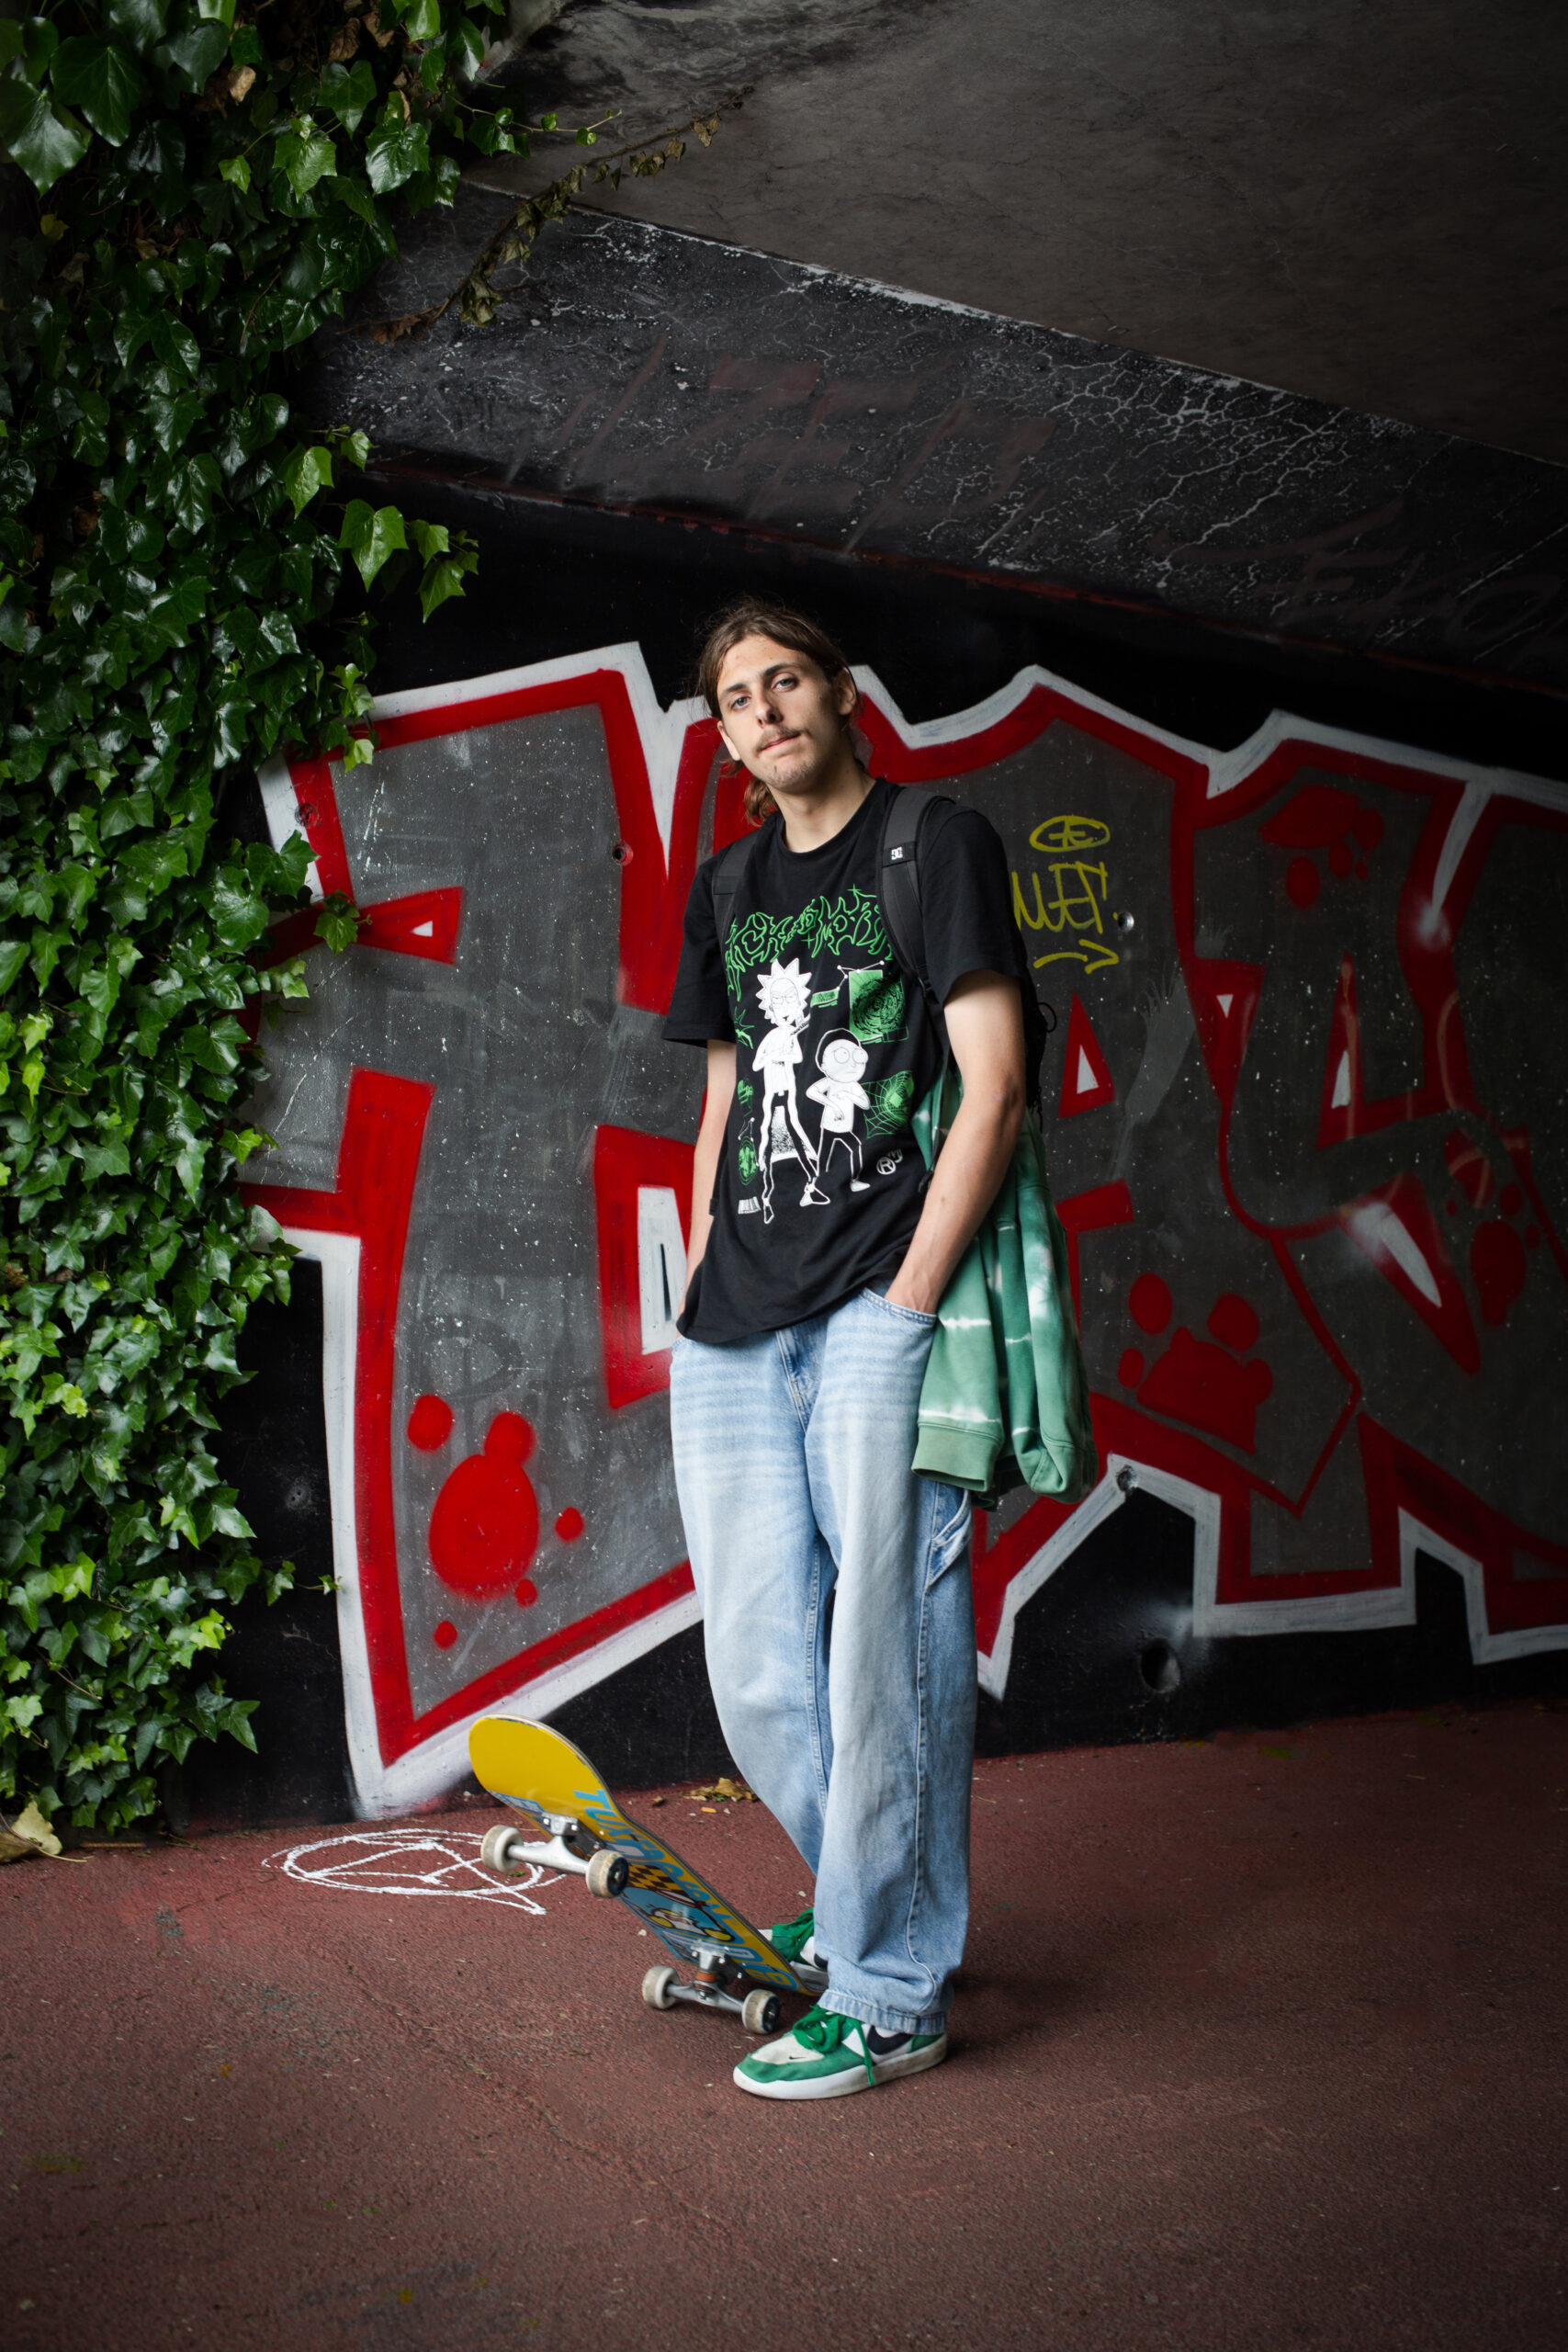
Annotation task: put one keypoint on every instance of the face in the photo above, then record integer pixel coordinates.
(842, 1058)
(780, 716)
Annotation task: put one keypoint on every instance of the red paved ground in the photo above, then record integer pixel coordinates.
(1261, 2045)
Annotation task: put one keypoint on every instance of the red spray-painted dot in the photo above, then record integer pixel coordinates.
(430, 1423)
(1303, 881)
(527, 1593)
(1150, 1303)
(445, 1633)
(1233, 1323)
(485, 1526)
(1339, 859)
(1362, 869)
(1130, 1371)
(570, 1525)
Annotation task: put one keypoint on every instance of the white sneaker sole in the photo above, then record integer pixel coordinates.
(850, 2079)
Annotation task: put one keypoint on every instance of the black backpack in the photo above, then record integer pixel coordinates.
(898, 887)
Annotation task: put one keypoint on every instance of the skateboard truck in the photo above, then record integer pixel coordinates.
(710, 1989)
(571, 1848)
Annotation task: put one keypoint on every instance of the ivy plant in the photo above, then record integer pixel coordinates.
(192, 187)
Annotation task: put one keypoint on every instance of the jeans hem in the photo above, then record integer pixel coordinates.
(886, 2021)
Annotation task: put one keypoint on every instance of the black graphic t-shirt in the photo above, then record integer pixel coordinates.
(818, 1189)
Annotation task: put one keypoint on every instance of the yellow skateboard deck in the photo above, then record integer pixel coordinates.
(543, 1776)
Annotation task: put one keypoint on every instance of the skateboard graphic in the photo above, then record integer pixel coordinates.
(533, 1769)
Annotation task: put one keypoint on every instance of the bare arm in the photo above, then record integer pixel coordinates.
(710, 1144)
(984, 1023)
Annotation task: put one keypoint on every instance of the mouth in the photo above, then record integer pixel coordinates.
(774, 741)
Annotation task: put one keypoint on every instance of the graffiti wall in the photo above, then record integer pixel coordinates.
(1313, 1186)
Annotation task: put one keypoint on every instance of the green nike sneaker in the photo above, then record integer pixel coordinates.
(827, 2056)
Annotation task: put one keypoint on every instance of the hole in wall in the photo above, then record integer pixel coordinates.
(1160, 1667)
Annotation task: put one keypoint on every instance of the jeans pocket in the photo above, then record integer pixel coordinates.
(911, 1315)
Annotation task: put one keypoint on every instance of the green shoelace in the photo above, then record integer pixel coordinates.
(825, 2030)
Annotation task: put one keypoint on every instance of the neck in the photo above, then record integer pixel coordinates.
(814, 812)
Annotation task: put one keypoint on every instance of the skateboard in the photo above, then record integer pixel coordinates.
(545, 1778)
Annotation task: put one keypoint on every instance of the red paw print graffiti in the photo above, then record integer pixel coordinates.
(484, 1529)
(1324, 816)
(1211, 1388)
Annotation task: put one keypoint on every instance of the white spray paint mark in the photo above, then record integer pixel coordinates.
(409, 1861)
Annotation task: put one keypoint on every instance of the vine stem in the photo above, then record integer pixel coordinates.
(532, 214)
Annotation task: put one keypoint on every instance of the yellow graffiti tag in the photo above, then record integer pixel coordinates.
(1065, 835)
(1077, 908)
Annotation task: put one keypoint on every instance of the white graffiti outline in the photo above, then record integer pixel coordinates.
(459, 1850)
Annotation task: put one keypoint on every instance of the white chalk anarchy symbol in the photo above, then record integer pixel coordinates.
(409, 1861)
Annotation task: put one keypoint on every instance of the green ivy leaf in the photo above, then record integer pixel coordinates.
(221, 11)
(192, 488)
(423, 21)
(396, 150)
(237, 172)
(39, 41)
(338, 922)
(350, 92)
(304, 154)
(371, 537)
(45, 144)
(308, 471)
(443, 578)
(239, 913)
(195, 55)
(99, 77)
(142, 22)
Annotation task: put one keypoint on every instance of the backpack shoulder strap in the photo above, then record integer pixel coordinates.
(727, 873)
(898, 877)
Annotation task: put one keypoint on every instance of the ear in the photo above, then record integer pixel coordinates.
(728, 746)
(846, 694)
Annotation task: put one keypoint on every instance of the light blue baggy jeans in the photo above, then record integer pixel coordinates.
(840, 1633)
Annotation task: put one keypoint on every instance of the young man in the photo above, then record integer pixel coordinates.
(834, 1582)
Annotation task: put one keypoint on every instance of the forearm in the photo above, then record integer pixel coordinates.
(705, 1170)
(709, 1146)
(968, 1174)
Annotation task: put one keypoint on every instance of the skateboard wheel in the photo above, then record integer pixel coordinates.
(495, 1853)
(656, 1988)
(760, 2012)
(607, 1872)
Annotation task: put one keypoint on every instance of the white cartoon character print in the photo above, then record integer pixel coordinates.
(841, 1059)
(784, 996)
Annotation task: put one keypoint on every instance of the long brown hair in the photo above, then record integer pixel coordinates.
(754, 616)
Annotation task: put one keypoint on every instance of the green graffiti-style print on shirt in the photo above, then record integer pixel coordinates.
(891, 1099)
(826, 927)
